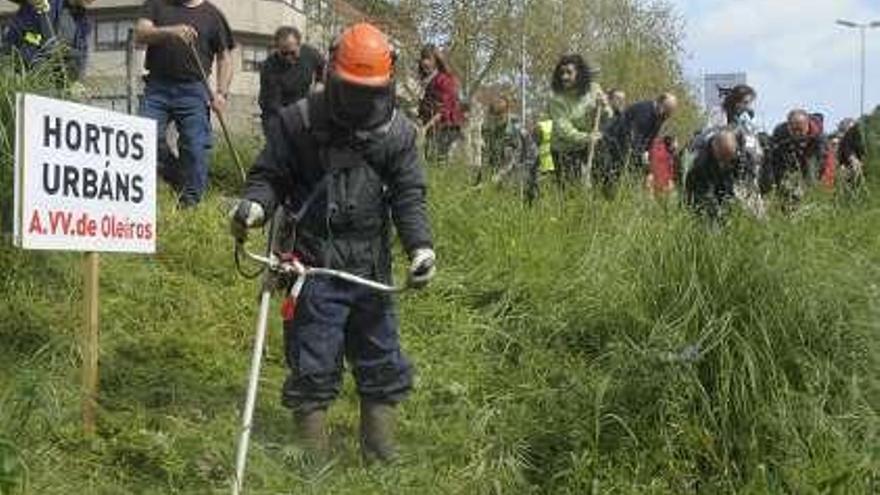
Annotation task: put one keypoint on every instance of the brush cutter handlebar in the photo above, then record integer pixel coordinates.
(294, 266)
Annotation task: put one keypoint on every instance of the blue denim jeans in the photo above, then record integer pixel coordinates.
(338, 321)
(187, 105)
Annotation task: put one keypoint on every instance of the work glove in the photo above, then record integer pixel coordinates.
(422, 268)
(245, 214)
(41, 6)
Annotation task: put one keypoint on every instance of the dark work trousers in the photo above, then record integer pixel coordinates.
(568, 167)
(335, 319)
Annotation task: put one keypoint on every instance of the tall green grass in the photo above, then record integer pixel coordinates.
(14, 79)
(581, 346)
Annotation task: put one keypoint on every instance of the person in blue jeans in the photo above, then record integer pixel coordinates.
(175, 32)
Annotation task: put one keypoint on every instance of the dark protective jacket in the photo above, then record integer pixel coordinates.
(709, 188)
(283, 82)
(364, 181)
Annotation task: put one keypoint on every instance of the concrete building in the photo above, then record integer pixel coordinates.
(253, 23)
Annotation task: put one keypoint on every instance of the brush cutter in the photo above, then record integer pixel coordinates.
(285, 265)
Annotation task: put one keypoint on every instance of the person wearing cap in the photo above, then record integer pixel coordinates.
(572, 107)
(345, 160)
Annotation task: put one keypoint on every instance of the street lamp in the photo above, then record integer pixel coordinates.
(863, 28)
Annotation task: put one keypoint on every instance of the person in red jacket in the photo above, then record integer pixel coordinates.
(439, 111)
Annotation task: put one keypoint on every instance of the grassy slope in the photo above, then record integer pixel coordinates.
(549, 350)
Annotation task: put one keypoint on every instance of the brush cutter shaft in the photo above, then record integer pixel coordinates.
(251, 398)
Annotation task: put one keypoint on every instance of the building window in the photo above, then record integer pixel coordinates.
(111, 35)
(252, 57)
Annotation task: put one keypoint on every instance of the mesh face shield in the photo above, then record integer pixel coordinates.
(359, 107)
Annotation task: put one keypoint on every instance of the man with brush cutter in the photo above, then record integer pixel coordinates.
(344, 162)
(184, 39)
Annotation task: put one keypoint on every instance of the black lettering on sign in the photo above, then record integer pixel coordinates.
(51, 129)
(90, 183)
(71, 180)
(106, 187)
(138, 146)
(122, 144)
(137, 189)
(122, 183)
(93, 134)
(73, 135)
(51, 179)
(108, 138)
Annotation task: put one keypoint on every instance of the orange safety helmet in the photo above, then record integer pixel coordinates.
(363, 56)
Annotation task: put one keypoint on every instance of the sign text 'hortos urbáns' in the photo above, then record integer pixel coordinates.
(85, 178)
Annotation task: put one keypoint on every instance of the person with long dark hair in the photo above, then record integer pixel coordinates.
(439, 110)
(572, 107)
(738, 106)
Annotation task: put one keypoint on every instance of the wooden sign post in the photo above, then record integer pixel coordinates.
(90, 341)
(85, 180)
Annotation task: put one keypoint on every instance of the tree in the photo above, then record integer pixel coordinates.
(636, 43)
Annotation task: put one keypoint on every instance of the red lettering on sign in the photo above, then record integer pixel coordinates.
(36, 226)
(60, 221)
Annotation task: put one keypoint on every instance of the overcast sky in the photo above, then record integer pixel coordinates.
(793, 53)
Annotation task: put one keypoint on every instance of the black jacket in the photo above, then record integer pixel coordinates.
(794, 154)
(374, 178)
(852, 144)
(642, 122)
(283, 82)
(708, 187)
(632, 132)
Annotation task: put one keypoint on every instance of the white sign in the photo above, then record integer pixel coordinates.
(717, 86)
(85, 178)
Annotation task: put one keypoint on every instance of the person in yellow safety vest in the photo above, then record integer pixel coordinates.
(545, 151)
(541, 158)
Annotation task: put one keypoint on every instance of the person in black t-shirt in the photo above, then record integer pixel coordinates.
(289, 73)
(176, 32)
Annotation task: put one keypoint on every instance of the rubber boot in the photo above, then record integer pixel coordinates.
(377, 432)
(312, 433)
